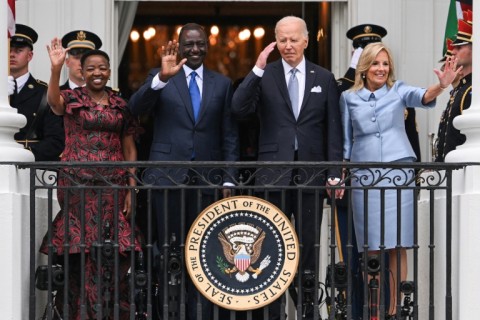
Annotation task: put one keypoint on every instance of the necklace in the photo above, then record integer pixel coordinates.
(97, 102)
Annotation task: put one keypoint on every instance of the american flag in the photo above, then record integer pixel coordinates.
(11, 18)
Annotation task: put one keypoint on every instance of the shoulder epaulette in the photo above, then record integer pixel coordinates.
(468, 91)
(43, 83)
(116, 91)
(341, 80)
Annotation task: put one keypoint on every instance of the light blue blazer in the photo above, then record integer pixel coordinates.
(374, 127)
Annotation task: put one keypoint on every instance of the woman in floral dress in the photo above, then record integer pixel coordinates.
(98, 127)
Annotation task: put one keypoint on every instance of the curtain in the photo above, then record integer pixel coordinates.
(126, 15)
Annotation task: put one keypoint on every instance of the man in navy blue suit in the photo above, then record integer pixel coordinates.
(296, 102)
(187, 127)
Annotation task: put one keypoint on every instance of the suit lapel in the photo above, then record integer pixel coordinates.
(310, 76)
(279, 76)
(180, 82)
(27, 91)
(207, 91)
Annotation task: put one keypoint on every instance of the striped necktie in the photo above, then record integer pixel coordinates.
(293, 91)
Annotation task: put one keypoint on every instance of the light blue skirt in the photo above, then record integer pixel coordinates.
(397, 203)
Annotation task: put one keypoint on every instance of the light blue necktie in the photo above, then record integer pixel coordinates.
(293, 91)
(194, 94)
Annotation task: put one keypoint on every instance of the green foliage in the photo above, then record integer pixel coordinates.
(222, 265)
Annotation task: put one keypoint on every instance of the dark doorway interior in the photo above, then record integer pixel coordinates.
(229, 53)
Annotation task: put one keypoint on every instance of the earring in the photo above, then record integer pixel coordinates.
(363, 76)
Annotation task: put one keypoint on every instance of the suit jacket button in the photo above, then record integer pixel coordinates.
(373, 119)
(377, 134)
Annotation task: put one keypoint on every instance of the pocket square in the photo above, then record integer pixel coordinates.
(317, 89)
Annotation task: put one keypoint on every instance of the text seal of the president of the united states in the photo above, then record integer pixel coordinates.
(242, 253)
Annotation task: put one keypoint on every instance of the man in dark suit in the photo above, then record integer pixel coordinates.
(78, 42)
(187, 127)
(43, 134)
(297, 105)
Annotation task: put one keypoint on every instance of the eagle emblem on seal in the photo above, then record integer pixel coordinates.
(242, 247)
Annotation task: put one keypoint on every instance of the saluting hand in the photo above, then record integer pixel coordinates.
(169, 61)
(263, 56)
(57, 53)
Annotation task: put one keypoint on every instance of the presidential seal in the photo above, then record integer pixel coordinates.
(242, 253)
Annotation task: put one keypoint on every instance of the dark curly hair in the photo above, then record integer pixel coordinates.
(95, 52)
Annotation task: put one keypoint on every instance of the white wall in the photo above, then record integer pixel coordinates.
(54, 18)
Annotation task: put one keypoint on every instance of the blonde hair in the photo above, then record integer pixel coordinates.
(366, 60)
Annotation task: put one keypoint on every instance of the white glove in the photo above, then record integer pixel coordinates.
(355, 57)
(10, 85)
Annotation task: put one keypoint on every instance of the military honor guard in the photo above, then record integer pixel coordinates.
(44, 134)
(448, 137)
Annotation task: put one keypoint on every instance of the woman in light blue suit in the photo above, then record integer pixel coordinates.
(374, 131)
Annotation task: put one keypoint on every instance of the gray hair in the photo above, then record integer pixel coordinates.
(289, 19)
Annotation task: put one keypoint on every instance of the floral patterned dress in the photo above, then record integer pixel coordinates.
(93, 132)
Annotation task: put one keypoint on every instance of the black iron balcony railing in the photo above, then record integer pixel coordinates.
(157, 286)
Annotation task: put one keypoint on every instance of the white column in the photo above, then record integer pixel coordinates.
(468, 123)
(10, 120)
(12, 213)
(468, 262)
